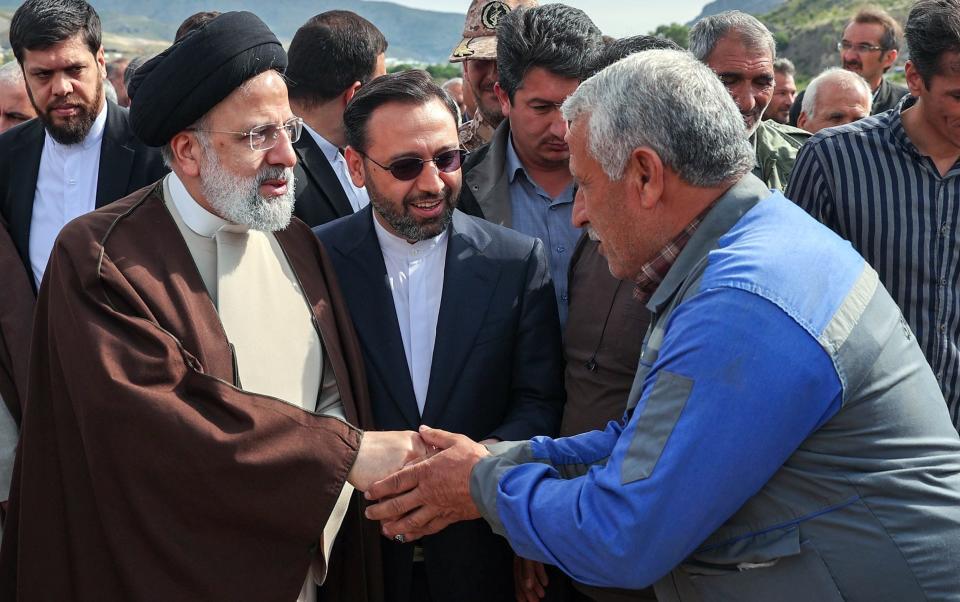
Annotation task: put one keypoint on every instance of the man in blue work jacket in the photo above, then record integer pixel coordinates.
(785, 438)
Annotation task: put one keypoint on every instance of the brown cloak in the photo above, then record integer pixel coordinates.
(143, 472)
(16, 319)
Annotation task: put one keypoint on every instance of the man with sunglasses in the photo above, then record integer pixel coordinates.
(195, 374)
(456, 316)
(869, 46)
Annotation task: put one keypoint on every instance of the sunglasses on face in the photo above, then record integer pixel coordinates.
(409, 168)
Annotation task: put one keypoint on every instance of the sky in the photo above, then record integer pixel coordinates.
(617, 18)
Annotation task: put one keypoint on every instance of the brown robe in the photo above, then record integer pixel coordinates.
(16, 320)
(143, 472)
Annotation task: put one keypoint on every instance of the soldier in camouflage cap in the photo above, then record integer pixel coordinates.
(478, 53)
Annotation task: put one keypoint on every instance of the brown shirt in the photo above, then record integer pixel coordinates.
(602, 342)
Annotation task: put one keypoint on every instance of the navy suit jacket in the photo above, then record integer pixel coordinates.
(126, 165)
(497, 371)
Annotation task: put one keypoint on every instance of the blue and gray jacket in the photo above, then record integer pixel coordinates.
(785, 438)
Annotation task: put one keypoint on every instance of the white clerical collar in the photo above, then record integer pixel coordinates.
(397, 246)
(198, 219)
(93, 138)
(329, 150)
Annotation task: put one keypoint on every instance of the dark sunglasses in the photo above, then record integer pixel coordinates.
(409, 168)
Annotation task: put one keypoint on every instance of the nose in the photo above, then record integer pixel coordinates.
(743, 96)
(429, 180)
(579, 214)
(61, 86)
(558, 126)
(282, 153)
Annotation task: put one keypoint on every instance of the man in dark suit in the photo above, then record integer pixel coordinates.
(456, 316)
(353, 53)
(80, 152)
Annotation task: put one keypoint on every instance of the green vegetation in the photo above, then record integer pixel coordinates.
(677, 32)
(440, 72)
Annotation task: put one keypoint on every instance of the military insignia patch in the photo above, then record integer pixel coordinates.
(492, 12)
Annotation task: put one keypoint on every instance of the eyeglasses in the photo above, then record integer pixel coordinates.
(264, 137)
(409, 168)
(863, 48)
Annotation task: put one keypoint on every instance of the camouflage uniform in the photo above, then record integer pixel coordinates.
(475, 133)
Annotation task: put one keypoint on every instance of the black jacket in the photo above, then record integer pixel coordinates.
(320, 195)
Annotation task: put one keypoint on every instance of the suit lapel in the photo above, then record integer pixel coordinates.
(116, 159)
(469, 280)
(319, 170)
(374, 314)
(491, 181)
(23, 189)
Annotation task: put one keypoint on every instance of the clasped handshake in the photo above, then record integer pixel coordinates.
(420, 481)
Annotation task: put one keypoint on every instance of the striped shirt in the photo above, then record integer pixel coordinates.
(870, 184)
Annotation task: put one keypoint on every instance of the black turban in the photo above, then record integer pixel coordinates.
(178, 86)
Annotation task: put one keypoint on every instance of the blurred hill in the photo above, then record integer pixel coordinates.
(147, 26)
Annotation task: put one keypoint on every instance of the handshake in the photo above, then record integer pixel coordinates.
(421, 481)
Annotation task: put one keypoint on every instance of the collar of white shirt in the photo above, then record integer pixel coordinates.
(329, 150)
(93, 138)
(399, 247)
(194, 215)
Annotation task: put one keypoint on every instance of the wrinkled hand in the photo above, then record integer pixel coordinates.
(383, 453)
(427, 496)
(529, 580)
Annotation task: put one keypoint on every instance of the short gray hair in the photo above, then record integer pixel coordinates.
(708, 32)
(668, 101)
(453, 81)
(11, 73)
(837, 75)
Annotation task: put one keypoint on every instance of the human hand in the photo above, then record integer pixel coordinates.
(529, 580)
(427, 496)
(383, 453)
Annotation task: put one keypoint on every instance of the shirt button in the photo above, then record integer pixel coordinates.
(943, 328)
(561, 249)
(72, 182)
(563, 297)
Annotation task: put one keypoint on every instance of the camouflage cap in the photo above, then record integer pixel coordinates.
(480, 30)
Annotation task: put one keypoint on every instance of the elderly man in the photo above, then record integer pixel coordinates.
(478, 53)
(15, 107)
(835, 97)
(785, 438)
(869, 47)
(455, 315)
(353, 50)
(741, 51)
(522, 179)
(454, 87)
(193, 363)
(784, 91)
(891, 186)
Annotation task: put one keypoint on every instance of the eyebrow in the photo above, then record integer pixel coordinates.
(414, 155)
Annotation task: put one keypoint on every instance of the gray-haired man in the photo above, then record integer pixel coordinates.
(785, 439)
(835, 97)
(741, 51)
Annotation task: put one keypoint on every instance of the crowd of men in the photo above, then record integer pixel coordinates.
(604, 319)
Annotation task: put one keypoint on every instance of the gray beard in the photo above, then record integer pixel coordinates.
(237, 199)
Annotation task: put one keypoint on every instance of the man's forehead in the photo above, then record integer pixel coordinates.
(732, 54)
(394, 126)
(70, 50)
(863, 32)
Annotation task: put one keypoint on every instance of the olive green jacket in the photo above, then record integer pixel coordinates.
(777, 146)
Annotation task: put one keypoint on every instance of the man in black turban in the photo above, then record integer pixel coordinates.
(195, 374)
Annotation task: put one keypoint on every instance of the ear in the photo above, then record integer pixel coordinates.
(186, 153)
(504, 99)
(644, 177)
(890, 58)
(355, 164)
(349, 93)
(802, 120)
(101, 63)
(915, 81)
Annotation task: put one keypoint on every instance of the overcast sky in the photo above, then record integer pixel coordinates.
(614, 17)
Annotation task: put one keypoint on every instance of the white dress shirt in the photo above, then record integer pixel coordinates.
(356, 195)
(415, 274)
(66, 188)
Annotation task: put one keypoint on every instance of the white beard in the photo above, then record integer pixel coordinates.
(237, 199)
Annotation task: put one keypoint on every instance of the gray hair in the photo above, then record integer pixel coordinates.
(11, 73)
(667, 101)
(708, 32)
(454, 81)
(784, 66)
(845, 79)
